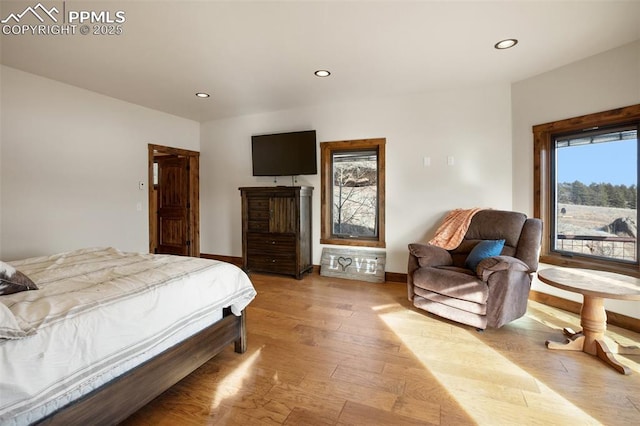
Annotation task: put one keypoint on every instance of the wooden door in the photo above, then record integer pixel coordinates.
(173, 206)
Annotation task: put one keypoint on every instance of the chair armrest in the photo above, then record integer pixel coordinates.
(494, 264)
(430, 255)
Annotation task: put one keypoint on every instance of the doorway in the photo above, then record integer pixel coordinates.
(174, 201)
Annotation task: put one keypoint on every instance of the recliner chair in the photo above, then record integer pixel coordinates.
(496, 292)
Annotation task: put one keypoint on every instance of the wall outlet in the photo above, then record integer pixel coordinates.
(450, 160)
(141, 185)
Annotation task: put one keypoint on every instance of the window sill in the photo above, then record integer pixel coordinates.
(575, 262)
(353, 242)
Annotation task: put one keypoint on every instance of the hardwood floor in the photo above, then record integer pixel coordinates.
(326, 351)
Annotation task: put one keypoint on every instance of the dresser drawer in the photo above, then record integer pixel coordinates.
(263, 243)
(280, 264)
(271, 252)
(258, 205)
(258, 225)
(258, 214)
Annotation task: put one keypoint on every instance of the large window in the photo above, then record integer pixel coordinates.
(586, 190)
(352, 175)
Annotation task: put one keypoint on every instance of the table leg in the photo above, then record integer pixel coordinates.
(593, 319)
(576, 344)
(570, 333)
(621, 349)
(607, 356)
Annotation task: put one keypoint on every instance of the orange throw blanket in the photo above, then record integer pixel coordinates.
(453, 229)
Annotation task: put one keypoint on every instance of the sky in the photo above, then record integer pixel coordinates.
(609, 162)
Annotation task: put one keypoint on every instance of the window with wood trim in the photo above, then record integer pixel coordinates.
(585, 190)
(352, 195)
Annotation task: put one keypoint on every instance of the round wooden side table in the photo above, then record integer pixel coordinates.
(595, 286)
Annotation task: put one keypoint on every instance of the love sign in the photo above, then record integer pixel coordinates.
(365, 265)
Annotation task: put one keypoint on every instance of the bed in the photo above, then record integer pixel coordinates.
(108, 331)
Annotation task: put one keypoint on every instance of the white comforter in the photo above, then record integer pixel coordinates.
(100, 312)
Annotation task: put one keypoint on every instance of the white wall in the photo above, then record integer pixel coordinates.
(599, 83)
(70, 166)
(473, 125)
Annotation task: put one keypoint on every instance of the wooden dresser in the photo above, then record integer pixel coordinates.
(276, 229)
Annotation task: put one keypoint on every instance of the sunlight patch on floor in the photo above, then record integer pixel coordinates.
(233, 382)
(551, 317)
(491, 388)
(557, 320)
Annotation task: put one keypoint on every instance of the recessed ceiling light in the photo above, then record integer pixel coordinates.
(202, 95)
(506, 44)
(322, 73)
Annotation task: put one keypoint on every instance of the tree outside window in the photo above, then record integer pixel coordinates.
(355, 194)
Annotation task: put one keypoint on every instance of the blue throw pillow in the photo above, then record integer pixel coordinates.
(482, 250)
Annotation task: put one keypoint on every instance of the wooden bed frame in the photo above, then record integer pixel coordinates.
(115, 401)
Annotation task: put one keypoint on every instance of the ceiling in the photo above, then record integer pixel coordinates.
(260, 56)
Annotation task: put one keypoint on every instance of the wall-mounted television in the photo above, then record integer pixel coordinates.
(284, 154)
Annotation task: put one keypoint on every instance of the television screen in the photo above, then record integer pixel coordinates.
(284, 154)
